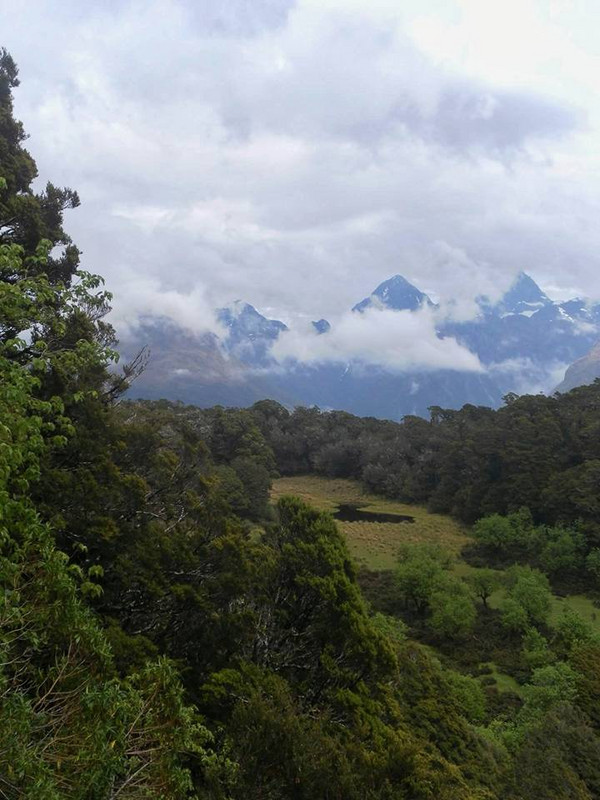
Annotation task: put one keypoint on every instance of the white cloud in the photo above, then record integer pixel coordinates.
(528, 376)
(395, 340)
(141, 297)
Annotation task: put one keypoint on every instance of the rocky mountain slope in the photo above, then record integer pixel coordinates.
(583, 371)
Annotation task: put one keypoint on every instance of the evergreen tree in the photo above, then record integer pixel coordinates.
(27, 217)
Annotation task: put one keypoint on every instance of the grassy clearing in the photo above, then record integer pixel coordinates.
(584, 606)
(504, 682)
(373, 544)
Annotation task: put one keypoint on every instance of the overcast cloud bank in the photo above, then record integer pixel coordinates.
(296, 154)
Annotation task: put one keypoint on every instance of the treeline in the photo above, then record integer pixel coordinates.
(166, 633)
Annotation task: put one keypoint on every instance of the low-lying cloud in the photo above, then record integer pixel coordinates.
(141, 296)
(528, 376)
(398, 341)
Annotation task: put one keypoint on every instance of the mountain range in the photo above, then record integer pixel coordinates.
(523, 342)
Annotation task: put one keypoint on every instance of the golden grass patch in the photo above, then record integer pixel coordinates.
(374, 544)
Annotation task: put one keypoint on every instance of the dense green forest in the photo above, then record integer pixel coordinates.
(166, 632)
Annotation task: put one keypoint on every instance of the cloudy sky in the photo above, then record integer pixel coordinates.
(296, 154)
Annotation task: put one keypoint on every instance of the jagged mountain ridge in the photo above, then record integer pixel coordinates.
(520, 340)
(526, 327)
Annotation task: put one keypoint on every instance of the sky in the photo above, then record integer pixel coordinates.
(296, 154)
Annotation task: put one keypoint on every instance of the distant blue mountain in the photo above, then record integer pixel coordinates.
(396, 294)
(249, 334)
(523, 297)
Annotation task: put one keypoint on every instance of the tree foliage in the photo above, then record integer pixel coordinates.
(70, 728)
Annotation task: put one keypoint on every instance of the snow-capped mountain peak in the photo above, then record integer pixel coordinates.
(523, 297)
(397, 294)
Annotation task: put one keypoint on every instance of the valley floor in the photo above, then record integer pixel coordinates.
(375, 545)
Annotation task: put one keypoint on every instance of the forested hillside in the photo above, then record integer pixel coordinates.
(167, 632)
